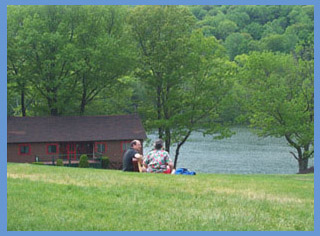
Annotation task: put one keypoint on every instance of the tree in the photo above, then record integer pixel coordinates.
(103, 50)
(65, 56)
(280, 99)
(254, 29)
(161, 33)
(273, 27)
(46, 51)
(305, 48)
(203, 96)
(185, 75)
(218, 26)
(19, 92)
(301, 14)
(240, 18)
(210, 24)
(279, 43)
(198, 11)
(225, 28)
(259, 14)
(236, 44)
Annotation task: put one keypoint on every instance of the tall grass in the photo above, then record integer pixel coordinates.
(61, 198)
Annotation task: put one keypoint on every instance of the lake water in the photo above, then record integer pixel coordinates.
(243, 153)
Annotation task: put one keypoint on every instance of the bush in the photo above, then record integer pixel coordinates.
(37, 163)
(59, 163)
(105, 162)
(84, 163)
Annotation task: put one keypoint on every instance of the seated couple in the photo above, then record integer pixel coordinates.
(157, 160)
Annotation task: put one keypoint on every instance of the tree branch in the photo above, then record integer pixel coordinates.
(294, 155)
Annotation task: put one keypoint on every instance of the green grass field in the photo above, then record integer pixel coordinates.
(61, 198)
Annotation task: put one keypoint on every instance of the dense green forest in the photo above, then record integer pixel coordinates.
(181, 68)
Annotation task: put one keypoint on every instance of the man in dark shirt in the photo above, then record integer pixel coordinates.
(132, 154)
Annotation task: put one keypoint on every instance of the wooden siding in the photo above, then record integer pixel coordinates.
(114, 152)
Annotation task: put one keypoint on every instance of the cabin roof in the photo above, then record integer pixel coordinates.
(74, 128)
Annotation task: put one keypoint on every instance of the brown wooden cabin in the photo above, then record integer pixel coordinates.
(46, 139)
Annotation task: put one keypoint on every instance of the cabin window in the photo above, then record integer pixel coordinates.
(125, 145)
(24, 149)
(100, 147)
(52, 148)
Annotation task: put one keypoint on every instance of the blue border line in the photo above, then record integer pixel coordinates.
(316, 114)
(3, 117)
(3, 94)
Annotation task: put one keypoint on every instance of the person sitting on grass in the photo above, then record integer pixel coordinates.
(158, 160)
(131, 155)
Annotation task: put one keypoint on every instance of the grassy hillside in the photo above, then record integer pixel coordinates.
(61, 198)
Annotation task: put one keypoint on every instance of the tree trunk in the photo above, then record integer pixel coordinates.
(84, 96)
(303, 164)
(176, 156)
(82, 107)
(160, 129)
(160, 133)
(54, 112)
(23, 106)
(83, 103)
(52, 104)
(168, 139)
(301, 158)
(178, 149)
(52, 98)
(166, 115)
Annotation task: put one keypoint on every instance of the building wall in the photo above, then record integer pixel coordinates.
(114, 152)
(36, 149)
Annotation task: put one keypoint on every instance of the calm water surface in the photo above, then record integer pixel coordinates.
(243, 153)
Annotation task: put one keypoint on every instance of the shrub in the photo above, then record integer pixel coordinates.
(84, 163)
(59, 163)
(105, 162)
(37, 163)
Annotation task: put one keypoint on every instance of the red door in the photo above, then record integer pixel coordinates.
(71, 151)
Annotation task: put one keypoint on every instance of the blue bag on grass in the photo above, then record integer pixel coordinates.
(184, 171)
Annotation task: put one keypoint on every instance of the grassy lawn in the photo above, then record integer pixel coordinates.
(61, 198)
